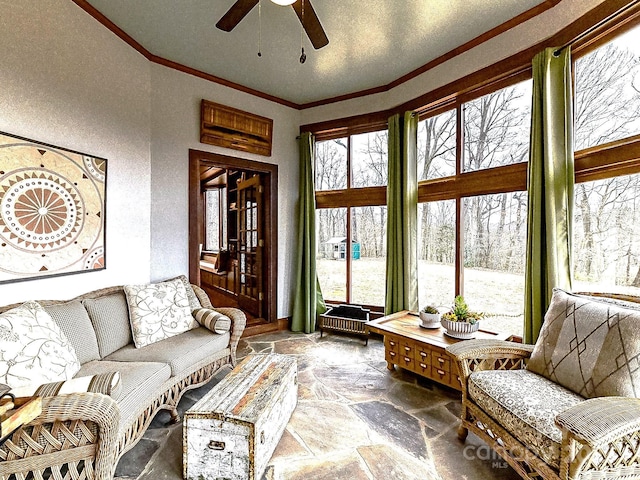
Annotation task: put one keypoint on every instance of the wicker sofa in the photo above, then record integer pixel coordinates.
(566, 407)
(83, 435)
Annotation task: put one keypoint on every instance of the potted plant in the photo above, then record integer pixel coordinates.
(460, 322)
(430, 317)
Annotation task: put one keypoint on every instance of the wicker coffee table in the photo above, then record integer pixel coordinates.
(420, 350)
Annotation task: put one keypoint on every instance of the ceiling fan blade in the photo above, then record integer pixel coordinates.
(311, 24)
(236, 13)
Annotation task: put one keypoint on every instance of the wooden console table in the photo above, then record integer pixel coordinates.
(420, 350)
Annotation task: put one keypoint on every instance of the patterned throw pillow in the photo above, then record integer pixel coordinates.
(588, 346)
(158, 311)
(212, 320)
(105, 383)
(34, 349)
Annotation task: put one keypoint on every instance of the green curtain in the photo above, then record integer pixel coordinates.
(307, 300)
(550, 184)
(402, 215)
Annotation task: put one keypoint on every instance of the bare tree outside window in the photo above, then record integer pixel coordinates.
(497, 128)
(369, 251)
(437, 246)
(331, 164)
(437, 146)
(369, 161)
(607, 108)
(494, 262)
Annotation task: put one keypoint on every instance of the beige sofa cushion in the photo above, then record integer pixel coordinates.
(588, 346)
(74, 321)
(34, 348)
(181, 352)
(526, 405)
(158, 311)
(110, 318)
(139, 381)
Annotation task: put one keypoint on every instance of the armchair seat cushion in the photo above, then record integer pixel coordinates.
(526, 405)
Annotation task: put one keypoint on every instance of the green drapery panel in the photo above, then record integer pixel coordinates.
(402, 215)
(307, 300)
(550, 185)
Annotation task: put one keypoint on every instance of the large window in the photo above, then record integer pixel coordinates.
(607, 208)
(351, 237)
(473, 145)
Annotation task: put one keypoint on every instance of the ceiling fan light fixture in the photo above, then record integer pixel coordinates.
(284, 3)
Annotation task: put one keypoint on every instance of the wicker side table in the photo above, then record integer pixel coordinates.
(345, 319)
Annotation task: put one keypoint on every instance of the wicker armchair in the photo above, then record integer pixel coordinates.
(542, 428)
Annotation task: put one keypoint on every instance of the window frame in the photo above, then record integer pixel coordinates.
(617, 158)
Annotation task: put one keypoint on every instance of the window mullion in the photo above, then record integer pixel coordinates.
(459, 260)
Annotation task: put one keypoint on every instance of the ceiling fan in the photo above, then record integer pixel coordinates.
(303, 9)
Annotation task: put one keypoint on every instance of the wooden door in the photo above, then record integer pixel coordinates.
(250, 244)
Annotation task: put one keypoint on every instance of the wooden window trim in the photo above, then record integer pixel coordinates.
(507, 71)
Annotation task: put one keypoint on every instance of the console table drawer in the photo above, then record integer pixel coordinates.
(440, 375)
(423, 368)
(423, 355)
(391, 344)
(441, 361)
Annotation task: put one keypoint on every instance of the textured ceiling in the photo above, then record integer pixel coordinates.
(371, 43)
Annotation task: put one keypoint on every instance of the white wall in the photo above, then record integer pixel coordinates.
(68, 81)
(175, 128)
(504, 45)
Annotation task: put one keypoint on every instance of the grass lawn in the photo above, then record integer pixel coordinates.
(499, 295)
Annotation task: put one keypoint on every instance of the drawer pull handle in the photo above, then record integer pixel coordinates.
(423, 354)
(423, 365)
(407, 349)
(441, 360)
(262, 437)
(215, 445)
(407, 359)
(392, 354)
(440, 372)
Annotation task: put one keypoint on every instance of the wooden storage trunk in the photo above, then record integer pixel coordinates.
(233, 430)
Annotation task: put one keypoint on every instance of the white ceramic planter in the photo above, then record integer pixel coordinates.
(429, 320)
(461, 330)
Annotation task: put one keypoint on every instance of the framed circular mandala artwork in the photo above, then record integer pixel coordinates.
(52, 210)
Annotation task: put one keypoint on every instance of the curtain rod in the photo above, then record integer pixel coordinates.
(595, 27)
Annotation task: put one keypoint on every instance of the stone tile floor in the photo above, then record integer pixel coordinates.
(354, 420)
